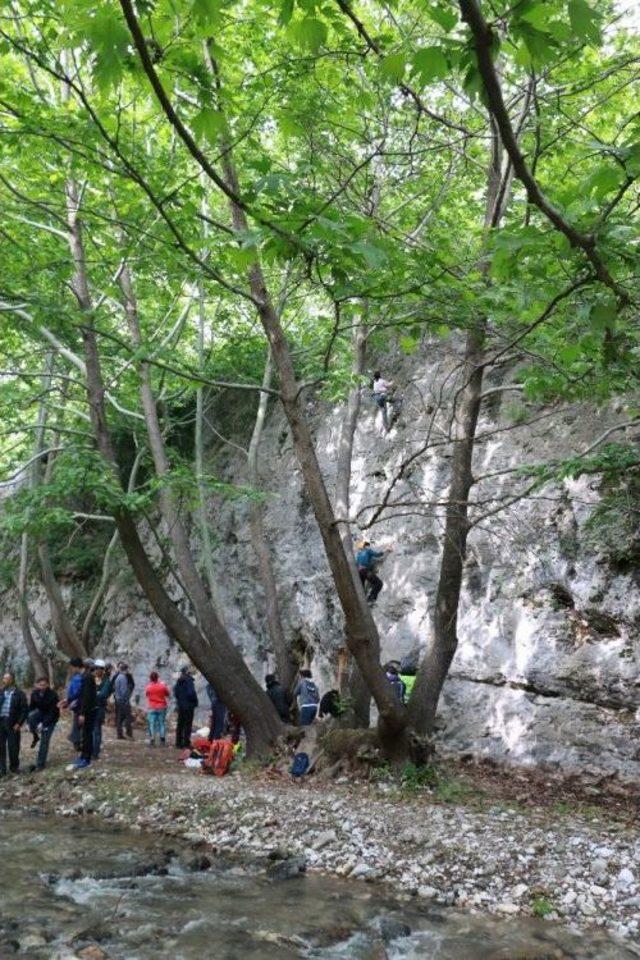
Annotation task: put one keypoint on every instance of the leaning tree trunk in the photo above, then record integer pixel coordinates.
(37, 661)
(361, 634)
(101, 589)
(353, 689)
(64, 628)
(444, 640)
(208, 645)
(286, 665)
(360, 629)
(35, 477)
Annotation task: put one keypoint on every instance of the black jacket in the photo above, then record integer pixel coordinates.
(18, 710)
(281, 700)
(184, 691)
(88, 699)
(46, 701)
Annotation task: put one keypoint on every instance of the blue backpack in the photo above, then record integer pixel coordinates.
(300, 765)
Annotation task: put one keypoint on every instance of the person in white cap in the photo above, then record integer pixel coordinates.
(103, 692)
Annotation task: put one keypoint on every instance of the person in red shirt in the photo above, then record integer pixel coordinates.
(157, 694)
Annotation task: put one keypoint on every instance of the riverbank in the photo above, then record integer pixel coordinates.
(483, 840)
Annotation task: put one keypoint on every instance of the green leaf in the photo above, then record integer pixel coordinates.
(310, 33)
(602, 316)
(605, 179)
(409, 345)
(393, 66)
(208, 125)
(372, 254)
(570, 353)
(286, 12)
(537, 15)
(206, 12)
(584, 21)
(430, 64)
(540, 46)
(444, 17)
(110, 40)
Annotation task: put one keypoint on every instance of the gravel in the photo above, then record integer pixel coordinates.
(528, 861)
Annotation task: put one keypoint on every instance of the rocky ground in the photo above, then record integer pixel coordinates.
(475, 837)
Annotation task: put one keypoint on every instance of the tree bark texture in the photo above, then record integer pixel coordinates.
(286, 665)
(353, 689)
(444, 640)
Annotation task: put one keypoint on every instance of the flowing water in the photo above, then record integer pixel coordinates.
(71, 886)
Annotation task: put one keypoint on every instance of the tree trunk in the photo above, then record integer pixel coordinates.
(98, 596)
(286, 665)
(64, 628)
(201, 511)
(208, 645)
(37, 662)
(361, 634)
(353, 689)
(444, 640)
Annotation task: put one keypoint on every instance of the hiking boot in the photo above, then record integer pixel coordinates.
(81, 763)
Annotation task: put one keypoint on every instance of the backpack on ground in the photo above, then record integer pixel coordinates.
(221, 754)
(300, 765)
(312, 691)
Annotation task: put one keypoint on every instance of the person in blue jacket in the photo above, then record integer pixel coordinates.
(72, 700)
(184, 691)
(366, 560)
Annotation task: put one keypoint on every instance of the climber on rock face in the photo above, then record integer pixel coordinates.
(366, 560)
(381, 390)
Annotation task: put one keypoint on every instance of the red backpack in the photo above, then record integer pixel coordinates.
(220, 756)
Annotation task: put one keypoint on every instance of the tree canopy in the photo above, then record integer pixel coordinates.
(190, 187)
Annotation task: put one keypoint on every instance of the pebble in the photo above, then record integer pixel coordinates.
(626, 878)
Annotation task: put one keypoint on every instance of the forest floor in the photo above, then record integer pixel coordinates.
(477, 837)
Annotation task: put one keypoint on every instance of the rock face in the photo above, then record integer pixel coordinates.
(547, 666)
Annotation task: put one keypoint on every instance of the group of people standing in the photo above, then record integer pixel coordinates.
(41, 712)
(303, 702)
(91, 685)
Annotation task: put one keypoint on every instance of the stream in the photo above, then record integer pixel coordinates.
(79, 888)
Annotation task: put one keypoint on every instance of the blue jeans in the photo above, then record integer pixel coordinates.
(101, 714)
(156, 723)
(308, 714)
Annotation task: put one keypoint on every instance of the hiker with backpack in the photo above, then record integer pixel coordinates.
(367, 560)
(381, 390)
(308, 697)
